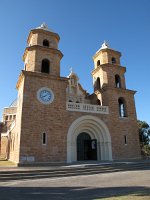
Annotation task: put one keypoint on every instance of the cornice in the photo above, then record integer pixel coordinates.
(122, 90)
(21, 76)
(35, 47)
(106, 66)
(44, 75)
(106, 50)
(34, 31)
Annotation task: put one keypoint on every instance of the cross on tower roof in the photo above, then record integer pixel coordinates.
(44, 27)
(105, 45)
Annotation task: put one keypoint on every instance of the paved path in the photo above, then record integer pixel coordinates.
(80, 182)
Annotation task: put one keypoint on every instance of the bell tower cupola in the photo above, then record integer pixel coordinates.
(106, 55)
(42, 54)
(107, 69)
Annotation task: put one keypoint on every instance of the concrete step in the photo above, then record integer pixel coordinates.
(66, 171)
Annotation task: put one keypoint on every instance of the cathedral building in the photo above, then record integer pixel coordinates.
(54, 120)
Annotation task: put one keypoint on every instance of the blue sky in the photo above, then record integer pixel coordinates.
(83, 25)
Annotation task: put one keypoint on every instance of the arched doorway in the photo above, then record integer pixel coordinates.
(96, 130)
(86, 147)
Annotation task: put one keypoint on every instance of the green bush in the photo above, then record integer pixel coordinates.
(145, 150)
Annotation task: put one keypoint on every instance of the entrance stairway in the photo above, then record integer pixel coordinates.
(82, 169)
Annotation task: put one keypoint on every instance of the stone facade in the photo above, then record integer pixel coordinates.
(1, 127)
(58, 121)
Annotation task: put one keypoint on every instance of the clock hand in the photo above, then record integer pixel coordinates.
(44, 95)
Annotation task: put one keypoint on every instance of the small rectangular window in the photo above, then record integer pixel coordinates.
(44, 138)
(125, 140)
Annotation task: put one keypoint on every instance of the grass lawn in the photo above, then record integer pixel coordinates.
(139, 195)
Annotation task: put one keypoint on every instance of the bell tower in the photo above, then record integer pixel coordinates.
(42, 54)
(106, 66)
(41, 97)
(109, 82)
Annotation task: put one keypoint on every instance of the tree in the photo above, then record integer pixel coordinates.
(144, 135)
(144, 132)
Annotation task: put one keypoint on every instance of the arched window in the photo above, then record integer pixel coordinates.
(10, 117)
(45, 66)
(98, 63)
(113, 60)
(98, 85)
(117, 81)
(98, 102)
(46, 43)
(122, 107)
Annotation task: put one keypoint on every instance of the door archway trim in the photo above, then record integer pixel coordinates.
(97, 129)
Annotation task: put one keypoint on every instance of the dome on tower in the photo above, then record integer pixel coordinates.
(44, 27)
(104, 46)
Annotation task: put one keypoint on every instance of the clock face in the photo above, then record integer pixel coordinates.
(45, 95)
